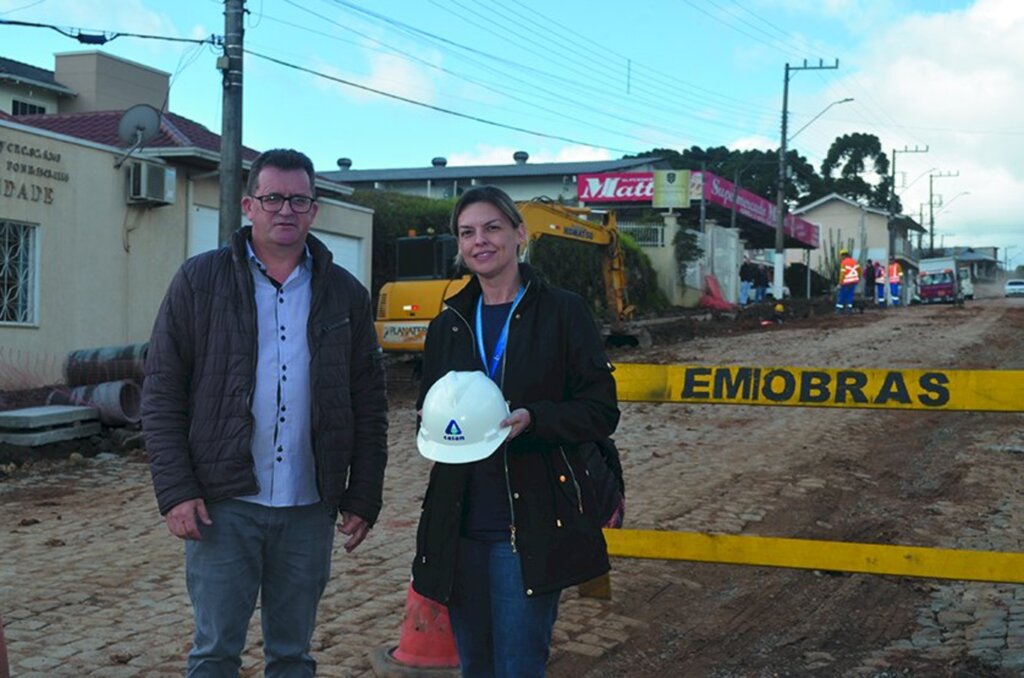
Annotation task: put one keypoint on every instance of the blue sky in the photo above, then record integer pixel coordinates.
(602, 78)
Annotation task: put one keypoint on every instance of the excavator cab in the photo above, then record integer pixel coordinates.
(426, 257)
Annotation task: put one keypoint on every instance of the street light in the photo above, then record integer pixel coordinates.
(1007, 258)
(931, 202)
(946, 206)
(823, 111)
(919, 176)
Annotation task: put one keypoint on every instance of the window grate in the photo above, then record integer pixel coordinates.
(17, 274)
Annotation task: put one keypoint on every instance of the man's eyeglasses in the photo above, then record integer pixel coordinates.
(274, 202)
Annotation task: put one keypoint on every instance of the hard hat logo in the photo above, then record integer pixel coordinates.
(461, 422)
(453, 433)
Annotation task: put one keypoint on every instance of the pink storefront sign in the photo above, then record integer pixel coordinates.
(720, 192)
(615, 187)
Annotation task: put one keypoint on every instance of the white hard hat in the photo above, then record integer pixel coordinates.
(461, 416)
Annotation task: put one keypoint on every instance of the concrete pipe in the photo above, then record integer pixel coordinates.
(109, 363)
(118, 402)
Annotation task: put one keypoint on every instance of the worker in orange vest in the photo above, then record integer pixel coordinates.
(849, 277)
(880, 283)
(895, 278)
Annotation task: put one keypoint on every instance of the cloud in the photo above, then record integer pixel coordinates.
(951, 82)
(385, 73)
(502, 155)
(754, 143)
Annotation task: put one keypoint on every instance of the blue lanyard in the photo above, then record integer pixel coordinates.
(499, 347)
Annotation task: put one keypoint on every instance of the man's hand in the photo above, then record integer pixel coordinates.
(355, 528)
(181, 520)
(519, 420)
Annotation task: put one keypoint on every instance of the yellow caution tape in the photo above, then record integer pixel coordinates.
(967, 390)
(909, 561)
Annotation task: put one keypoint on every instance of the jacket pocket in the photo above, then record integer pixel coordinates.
(333, 324)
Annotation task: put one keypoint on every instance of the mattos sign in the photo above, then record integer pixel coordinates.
(637, 186)
(616, 187)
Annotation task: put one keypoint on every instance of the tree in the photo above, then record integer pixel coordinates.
(850, 158)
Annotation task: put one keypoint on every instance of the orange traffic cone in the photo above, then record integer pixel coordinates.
(426, 646)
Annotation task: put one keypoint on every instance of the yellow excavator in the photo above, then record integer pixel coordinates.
(426, 274)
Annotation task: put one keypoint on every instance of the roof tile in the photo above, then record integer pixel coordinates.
(176, 131)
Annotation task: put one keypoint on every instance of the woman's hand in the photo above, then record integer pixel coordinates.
(520, 421)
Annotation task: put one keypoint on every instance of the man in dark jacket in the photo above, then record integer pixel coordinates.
(265, 413)
(869, 280)
(747, 274)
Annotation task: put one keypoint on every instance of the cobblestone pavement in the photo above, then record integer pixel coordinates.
(92, 584)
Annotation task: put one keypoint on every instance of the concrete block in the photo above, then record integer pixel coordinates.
(46, 416)
(37, 438)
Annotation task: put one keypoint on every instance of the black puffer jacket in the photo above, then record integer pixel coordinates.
(201, 373)
(556, 367)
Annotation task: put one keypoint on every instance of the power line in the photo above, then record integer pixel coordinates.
(738, 30)
(439, 109)
(588, 75)
(504, 92)
(593, 64)
(663, 77)
(446, 43)
(88, 36)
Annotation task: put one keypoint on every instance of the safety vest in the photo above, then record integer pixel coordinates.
(895, 272)
(849, 272)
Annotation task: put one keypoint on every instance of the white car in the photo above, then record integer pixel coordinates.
(1014, 288)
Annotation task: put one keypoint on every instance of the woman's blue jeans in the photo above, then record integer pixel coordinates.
(499, 630)
(283, 555)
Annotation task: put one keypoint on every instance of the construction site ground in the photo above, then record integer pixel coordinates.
(92, 584)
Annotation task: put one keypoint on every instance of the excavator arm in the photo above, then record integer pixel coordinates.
(547, 219)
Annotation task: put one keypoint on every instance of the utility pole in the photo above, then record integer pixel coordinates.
(890, 244)
(920, 235)
(931, 207)
(780, 203)
(230, 65)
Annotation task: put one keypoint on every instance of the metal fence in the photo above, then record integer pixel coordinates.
(645, 235)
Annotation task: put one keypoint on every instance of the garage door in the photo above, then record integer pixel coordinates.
(202, 230)
(348, 252)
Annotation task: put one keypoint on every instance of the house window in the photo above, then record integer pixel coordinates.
(17, 272)
(25, 108)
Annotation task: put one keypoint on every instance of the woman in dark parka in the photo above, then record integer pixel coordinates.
(499, 539)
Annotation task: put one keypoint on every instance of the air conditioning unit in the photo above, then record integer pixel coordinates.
(150, 183)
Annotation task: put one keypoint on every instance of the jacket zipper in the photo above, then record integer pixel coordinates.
(504, 447)
(504, 451)
(250, 287)
(313, 344)
(572, 474)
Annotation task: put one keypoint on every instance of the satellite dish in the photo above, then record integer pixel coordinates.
(138, 124)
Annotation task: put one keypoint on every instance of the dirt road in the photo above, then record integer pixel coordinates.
(917, 478)
(92, 585)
